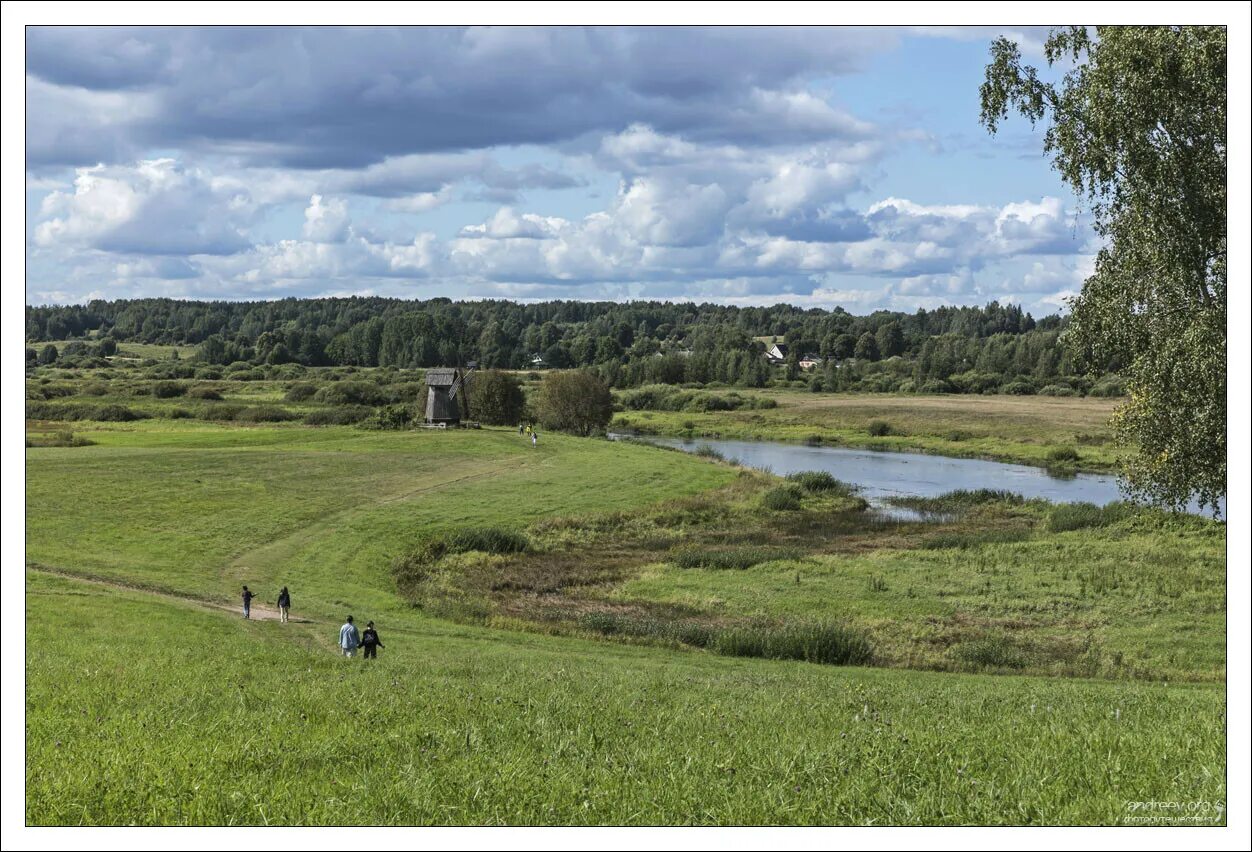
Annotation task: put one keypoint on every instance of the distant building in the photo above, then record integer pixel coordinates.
(809, 361)
(537, 361)
(777, 353)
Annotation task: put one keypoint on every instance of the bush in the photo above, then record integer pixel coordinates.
(819, 481)
(575, 401)
(391, 417)
(1057, 390)
(1062, 454)
(203, 392)
(345, 415)
(1017, 388)
(495, 398)
(1110, 385)
(878, 428)
(265, 414)
(352, 393)
(80, 411)
(784, 498)
(95, 389)
(299, 392)
(707, 452)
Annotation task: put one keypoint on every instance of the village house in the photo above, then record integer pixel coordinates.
(777, 353)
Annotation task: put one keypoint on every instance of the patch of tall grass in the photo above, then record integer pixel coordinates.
(732, 559)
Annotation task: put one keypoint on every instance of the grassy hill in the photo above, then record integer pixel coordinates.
(149, 700)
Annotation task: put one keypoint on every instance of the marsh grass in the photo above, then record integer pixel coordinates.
(956, 502)
(732, 559)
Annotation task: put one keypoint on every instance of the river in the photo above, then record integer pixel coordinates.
(883, 474)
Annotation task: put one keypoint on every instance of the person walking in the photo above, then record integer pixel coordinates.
(284, 604)
(370, 642)
(247, 602)
(534, 439)
(349, 638)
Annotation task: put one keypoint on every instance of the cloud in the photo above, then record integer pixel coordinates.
(363, 95)
(155, 207)
(326, 220)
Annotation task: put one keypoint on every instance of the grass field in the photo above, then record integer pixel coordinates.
(154, 712)
(150, 701)
(1023, 429)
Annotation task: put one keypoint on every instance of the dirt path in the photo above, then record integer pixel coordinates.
(258, 612)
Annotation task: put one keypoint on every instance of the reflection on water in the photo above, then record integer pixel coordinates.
(884, 474)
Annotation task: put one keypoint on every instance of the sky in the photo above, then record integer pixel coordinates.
(816, 166)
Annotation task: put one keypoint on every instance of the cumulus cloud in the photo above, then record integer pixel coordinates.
(155, 207)
(326, 220)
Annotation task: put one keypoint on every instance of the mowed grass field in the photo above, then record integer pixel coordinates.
(1022, 429)
(150, 701)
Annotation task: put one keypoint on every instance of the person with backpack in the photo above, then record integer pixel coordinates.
(247, 602)
(370, 642)
(284, 604)
(349, 638)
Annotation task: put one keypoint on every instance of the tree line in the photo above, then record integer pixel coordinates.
(627, 344)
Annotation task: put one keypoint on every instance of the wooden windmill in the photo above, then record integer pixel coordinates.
(443, 386)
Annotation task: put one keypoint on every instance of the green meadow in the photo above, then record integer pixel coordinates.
(640, 659)
(1020, 429)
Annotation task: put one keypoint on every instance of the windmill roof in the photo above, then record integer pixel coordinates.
(440, 376)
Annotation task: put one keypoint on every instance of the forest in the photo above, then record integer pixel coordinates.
(991, 349)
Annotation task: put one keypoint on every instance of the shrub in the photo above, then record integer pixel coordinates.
(179, 414)
(265, 414)
(819, 481)
(708, 452)
(574, 401)
(878, 428)
(935, 386)
(95, 389)
(1017, 388)
(391, 417)
(203, 392)
(495, 398)
(1110, 385)
(487, 540)
(407, 392)
(1057, 390)
(352, 393)
(208, 373)
(80, 411)
(299, 392)
(345, 415)
(783, 498)
(1062, 454)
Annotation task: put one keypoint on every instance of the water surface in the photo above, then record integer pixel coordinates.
(881, 474)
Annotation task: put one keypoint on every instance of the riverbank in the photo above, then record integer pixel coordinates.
(1067, 435)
